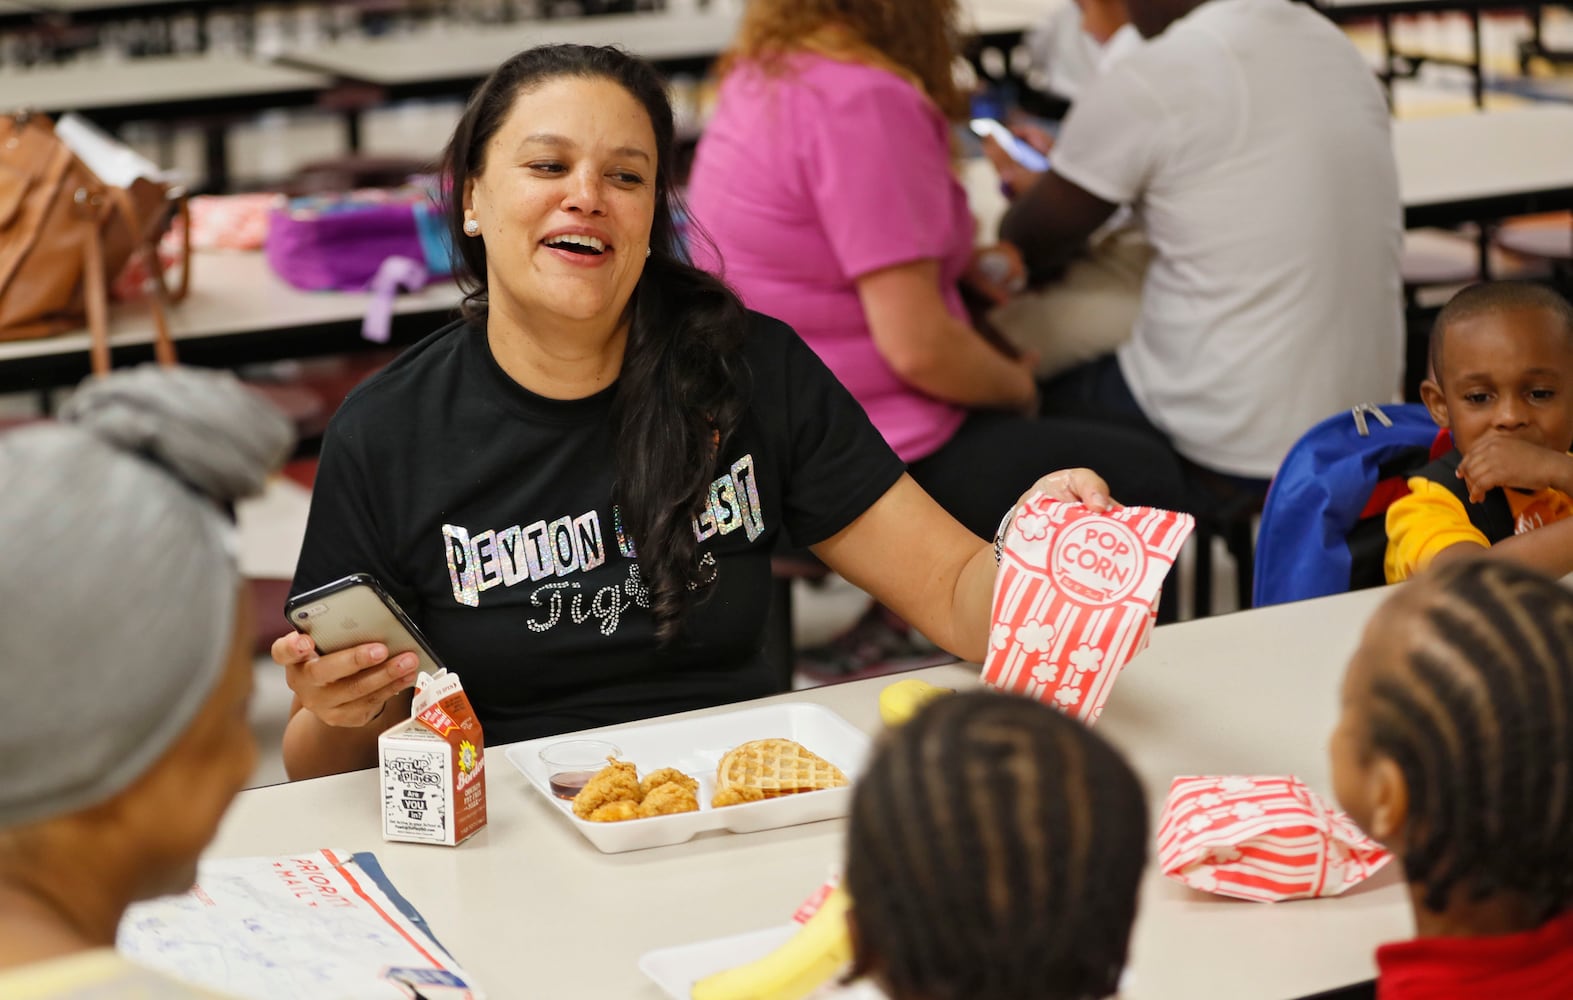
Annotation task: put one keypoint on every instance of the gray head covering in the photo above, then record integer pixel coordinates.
(118, 576)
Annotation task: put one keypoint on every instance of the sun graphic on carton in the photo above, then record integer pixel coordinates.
(466, 756)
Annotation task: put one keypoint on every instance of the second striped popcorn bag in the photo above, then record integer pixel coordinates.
(1264, 838)
(1075, 599)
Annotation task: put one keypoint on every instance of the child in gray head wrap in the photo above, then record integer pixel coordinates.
(124, 647)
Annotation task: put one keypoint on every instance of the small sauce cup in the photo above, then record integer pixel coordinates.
(570, 764)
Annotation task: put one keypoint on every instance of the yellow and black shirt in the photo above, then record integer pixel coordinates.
(1433, 517)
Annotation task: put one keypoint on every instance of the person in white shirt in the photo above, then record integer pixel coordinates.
(1068, 47)
(1253, 143)
(1087, 309)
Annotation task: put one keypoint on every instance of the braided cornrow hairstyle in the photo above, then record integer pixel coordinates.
(994, 853)
(1479, 719)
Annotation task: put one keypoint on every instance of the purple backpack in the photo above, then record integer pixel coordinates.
(377, 240)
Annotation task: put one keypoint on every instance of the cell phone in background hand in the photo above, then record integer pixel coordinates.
(356, 610)
(1018, 148)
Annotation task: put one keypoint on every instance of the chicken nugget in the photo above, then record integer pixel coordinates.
(616, 782)
(668, 800)
(736, 796)
(615, 812)
(655, 779)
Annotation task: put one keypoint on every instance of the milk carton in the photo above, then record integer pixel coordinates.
(433, 767)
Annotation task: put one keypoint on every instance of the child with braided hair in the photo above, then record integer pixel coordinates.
(1455, 750)
(994, 853)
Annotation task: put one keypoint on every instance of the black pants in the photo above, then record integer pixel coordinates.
(1098, 390)
(994, 458)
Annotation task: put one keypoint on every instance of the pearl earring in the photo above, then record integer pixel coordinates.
(472, 228)
(647, 251)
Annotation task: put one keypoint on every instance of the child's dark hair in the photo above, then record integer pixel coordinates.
(1479, 718)
(994, 853)
(1491, 297)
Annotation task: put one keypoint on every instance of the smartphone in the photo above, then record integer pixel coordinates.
(357, 610)
(1015, 145)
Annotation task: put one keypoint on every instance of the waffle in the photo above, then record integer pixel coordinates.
(774, 768)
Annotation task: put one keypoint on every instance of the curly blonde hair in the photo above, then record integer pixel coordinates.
(919, 39)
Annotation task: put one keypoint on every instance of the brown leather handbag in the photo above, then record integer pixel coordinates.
(65, 235)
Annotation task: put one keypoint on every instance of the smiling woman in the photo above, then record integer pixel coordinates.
(575, 489)
(563, 194)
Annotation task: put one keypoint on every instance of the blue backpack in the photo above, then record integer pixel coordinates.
(1324, 524)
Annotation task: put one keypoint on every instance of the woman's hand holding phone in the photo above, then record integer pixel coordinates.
(348, 688)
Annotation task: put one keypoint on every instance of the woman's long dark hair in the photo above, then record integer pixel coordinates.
(680, 395)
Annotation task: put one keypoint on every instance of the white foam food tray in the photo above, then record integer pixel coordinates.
(695, 746)
(675, 970)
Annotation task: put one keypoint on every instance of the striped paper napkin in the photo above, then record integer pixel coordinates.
(1261, 838)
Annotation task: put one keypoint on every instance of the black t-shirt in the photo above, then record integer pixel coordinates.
(486, 511)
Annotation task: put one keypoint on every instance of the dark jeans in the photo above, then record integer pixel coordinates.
(994, 458)
(1098, 390)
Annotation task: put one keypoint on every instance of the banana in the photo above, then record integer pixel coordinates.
(898, 702)
(819, 950)
(822, 946)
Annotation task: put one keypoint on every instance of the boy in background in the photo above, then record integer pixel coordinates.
(1502, 383)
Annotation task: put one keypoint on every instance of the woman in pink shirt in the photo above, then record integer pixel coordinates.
(825, 183)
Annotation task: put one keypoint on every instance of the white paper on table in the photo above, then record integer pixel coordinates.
(325, 924)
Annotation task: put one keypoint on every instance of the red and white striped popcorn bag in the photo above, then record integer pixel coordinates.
(218, 222)
(1075, 599)
(1261, 838)
(229, 221)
